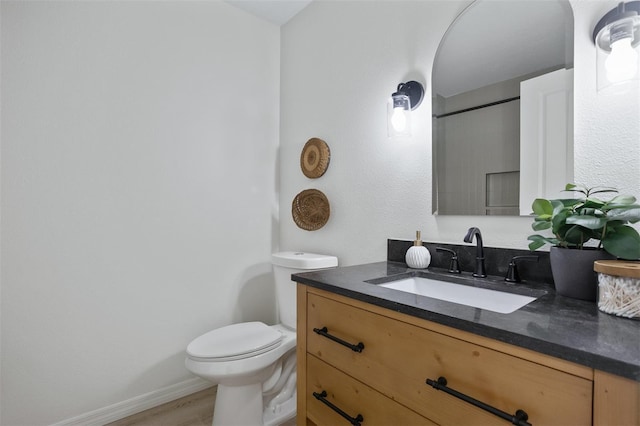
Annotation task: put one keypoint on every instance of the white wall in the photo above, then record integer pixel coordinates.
(139, 146)
(341, 61)
(607, 126)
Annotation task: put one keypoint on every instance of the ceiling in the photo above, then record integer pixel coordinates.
(278, 12)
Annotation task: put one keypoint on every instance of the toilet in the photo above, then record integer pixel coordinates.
(254, 364)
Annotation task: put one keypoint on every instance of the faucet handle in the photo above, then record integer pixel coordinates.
(512, 272)
(454, 266)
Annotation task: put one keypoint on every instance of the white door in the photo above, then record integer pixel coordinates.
(546, 137)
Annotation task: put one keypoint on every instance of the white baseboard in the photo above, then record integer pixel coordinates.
(136, 404)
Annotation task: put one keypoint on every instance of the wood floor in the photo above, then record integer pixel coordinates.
(192, 410)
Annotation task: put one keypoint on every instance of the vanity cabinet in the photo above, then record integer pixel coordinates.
(373, 362)
(332, 385)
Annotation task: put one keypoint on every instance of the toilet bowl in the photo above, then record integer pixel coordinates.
(252, 363)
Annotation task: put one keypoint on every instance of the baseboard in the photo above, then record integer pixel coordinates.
(136, 404)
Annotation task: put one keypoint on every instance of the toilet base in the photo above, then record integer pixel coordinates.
(242, 406)
(283, 412)
(238, 405)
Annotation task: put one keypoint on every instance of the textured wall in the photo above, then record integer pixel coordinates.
(340, 62)
(607, 125)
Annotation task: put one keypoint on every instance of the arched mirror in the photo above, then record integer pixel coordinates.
(502, 88)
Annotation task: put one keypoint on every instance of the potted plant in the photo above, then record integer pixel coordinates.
(574, 222)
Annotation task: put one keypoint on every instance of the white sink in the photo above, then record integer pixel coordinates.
(492, 300)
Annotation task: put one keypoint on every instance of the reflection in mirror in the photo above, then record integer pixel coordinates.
(503, 107)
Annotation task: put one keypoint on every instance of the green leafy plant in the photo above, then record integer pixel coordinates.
(575, 221)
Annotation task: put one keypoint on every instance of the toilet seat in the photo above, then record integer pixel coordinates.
(234, 342)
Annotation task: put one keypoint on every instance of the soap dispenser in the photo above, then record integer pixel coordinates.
(418, 256)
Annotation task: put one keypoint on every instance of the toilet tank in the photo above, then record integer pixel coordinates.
(292, 262)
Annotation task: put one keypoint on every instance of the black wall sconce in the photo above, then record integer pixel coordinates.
(617, 38)
(407, 97)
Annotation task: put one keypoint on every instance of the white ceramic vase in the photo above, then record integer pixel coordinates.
(418, 257)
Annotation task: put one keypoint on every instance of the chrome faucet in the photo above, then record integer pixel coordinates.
(479, 271)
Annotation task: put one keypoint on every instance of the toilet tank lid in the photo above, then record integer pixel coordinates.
(303, 260)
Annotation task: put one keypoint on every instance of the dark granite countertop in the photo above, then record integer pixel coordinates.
(570, 329)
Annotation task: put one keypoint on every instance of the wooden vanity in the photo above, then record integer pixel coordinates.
(372, 364)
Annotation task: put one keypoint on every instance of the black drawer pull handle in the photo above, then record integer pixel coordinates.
(355, 421)
(519, 418)
(324, 332)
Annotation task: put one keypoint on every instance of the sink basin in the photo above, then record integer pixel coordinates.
(492, 300)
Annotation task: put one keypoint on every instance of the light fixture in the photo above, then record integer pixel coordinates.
(617, 38)
(407, 98)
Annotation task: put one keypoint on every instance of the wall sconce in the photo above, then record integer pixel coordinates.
(617, 38)
(407, 98)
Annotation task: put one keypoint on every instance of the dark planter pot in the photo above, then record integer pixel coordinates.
(573, 272)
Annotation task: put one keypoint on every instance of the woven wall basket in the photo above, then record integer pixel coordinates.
(310, 209)
(314, 159)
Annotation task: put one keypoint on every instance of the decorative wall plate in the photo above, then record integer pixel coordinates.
(314, 159)
(310, 209)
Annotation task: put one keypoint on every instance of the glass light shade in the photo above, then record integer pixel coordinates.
(399, 115)
(622, 63)
(618, 54)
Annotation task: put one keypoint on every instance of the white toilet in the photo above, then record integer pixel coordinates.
(254, 364)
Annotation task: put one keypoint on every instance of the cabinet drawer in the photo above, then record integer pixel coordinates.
(398, 357)
(353, 398)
